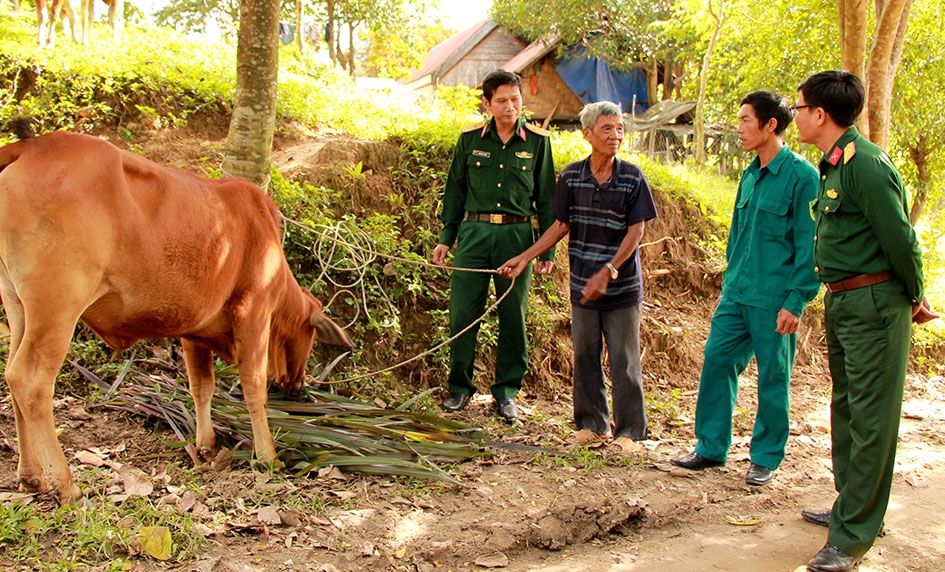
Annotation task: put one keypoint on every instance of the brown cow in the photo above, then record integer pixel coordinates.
(137, 250)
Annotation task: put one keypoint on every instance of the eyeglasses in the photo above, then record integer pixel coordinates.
(794, 108)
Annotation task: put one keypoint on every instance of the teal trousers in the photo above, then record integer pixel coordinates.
(484, 245)
(868, 338)
(738, 333)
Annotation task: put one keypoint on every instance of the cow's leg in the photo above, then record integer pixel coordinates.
(199, 362)
(116, 18)
(252, 346)
(29, 470)
(41, 22)
(87, 16)
(31, 375)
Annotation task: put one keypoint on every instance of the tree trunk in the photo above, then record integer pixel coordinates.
(248, 148)
(699, 121)
(920, 156)
(853, 22)
(669, 77)
(330, 31)
(880, 71)
(352, 26)
(299, 41)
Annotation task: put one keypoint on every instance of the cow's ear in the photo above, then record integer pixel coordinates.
(328, 332)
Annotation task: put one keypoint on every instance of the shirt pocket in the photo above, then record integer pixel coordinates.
(612, 203)
(478, 169)
(773, 217)
(523, 173)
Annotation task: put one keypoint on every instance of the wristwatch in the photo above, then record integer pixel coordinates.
(613, 271)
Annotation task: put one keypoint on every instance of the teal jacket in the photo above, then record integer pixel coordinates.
(770, 250)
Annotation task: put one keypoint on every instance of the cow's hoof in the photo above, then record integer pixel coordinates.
(68, 495)
(32, 484)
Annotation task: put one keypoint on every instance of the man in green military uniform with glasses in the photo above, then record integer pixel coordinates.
(866, 253)
(501, 176)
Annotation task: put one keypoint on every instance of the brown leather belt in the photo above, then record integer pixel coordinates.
(861, 281)
(496, 218)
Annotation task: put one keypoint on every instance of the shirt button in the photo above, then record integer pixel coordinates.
(817, 269)
(499, 185)
(823, 177)
(501, 166)
(498, 204)
(826, 209)
(503, 146)
(524, 168)
(815, 238)
(478, 164)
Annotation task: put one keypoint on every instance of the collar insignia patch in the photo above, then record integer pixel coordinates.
(835, 156)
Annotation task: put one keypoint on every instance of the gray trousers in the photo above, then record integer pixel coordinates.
(620, 329)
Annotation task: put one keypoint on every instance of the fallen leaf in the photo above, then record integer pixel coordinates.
(269, 515)
(742, 521)
(344, 494)
(400, 553)
(155, 541)
(136, 481)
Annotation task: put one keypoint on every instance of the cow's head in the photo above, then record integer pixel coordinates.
(292, 338)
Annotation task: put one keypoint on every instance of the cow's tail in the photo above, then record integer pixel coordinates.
(23, 129)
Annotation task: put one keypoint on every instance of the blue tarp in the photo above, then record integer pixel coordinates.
(591, 79)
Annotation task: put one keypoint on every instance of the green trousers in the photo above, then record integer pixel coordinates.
(484, 245)
(739, 332)
(868, 337)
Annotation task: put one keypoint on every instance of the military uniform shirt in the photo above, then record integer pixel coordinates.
(862, 221)
(770, 249)
(488, 176)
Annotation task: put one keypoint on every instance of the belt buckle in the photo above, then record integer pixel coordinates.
(495, 218)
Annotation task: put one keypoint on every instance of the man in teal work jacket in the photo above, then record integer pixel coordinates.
(867, 254)
(502, 175)
(766, 286)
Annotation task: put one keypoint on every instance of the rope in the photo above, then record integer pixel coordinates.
(363, 255)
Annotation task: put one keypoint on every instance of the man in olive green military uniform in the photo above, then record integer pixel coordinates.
(502, 175)
(866, 253)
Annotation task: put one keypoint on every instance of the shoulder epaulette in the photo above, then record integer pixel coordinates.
(537, 129)
(474, 127)
(848, 152)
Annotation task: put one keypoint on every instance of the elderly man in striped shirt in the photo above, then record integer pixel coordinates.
(603, 203)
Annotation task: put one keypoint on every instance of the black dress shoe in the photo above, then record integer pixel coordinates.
(695, 462)
(758, 475)
(821, 517)
(507, 408)
(456, 401)
(832, 559)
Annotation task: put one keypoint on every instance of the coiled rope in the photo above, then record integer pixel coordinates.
(361, 255)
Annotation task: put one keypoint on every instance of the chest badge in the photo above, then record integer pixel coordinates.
(832, 193)
(524, 155)
(478, 153)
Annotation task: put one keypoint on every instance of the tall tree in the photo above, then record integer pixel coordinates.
(919, 108)
(879, 71)
(718, 14)
(248, 147)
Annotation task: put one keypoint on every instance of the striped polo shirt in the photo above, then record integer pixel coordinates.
(598, 216)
